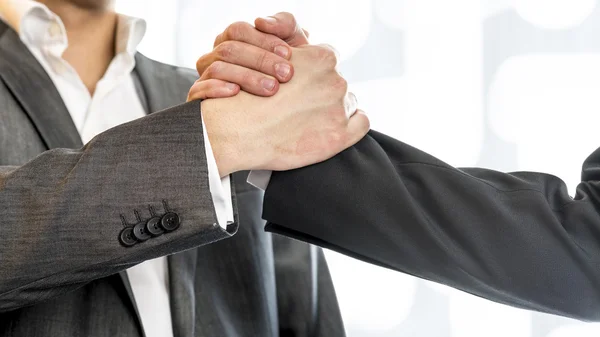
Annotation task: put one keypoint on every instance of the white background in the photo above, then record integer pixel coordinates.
(504, 84)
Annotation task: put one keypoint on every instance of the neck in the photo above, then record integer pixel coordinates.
(91, 34)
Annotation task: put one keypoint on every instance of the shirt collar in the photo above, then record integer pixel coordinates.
(130, 32)
(38, 26)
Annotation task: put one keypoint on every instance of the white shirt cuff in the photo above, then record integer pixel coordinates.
(259, 179)
(220, 188)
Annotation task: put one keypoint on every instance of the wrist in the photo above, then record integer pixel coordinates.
(225, 140)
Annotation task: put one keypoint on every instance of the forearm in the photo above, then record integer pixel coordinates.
(62, 210)
(515, 238)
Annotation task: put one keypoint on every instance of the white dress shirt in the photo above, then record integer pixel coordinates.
(115, 101)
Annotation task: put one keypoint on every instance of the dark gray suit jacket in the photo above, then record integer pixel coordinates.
(62, 261)
(516, 238)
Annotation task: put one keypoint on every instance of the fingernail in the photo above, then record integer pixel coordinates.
(270, 19)
(231, 86)
(282, 69)
(281, 51)
(268, 83)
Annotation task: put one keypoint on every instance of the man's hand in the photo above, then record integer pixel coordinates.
(255, 59)
(310, 120)
(284, 26)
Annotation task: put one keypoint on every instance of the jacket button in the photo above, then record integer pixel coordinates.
(153, 226)
(126, 237)
(170, 221)
(140, 233)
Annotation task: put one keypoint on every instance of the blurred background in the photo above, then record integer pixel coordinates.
(504, 84)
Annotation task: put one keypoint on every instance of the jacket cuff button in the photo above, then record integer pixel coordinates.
(153, 226)
(140, 233)
(170, 221)
(127, 238)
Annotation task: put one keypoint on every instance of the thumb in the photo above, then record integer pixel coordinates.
(284, 26)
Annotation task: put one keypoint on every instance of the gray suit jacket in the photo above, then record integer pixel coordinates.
(63, 244)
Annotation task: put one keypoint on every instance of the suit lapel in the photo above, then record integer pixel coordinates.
(35, 92)
(127, 285)
(163, 86)
(182, 274)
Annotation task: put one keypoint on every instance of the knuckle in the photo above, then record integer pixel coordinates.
(225, 50)
(322, 57)
(270, 41)
(201, 64)
(326, 56)
(237, 30)
(248, 78)
(313, 51)
(330, 58)
(214, 69)
(340, 85)
(325, 53)
(288, 18)
(261, 60)
(196, 90)
(266, 41)
(192, 91)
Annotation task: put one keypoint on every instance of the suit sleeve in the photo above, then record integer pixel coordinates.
(517, 238)
(61, 213)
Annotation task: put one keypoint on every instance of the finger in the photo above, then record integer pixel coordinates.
(212, 88)
(245, 32)
(248, 56)
(332, 48)
(358, 126)
(249, 80)
(284, 26)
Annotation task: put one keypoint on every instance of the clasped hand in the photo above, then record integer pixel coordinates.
(281, 102)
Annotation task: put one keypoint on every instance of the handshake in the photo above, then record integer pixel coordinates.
(273, 102)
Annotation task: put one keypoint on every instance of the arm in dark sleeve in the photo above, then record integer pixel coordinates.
(517, 238)
(61, 212)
